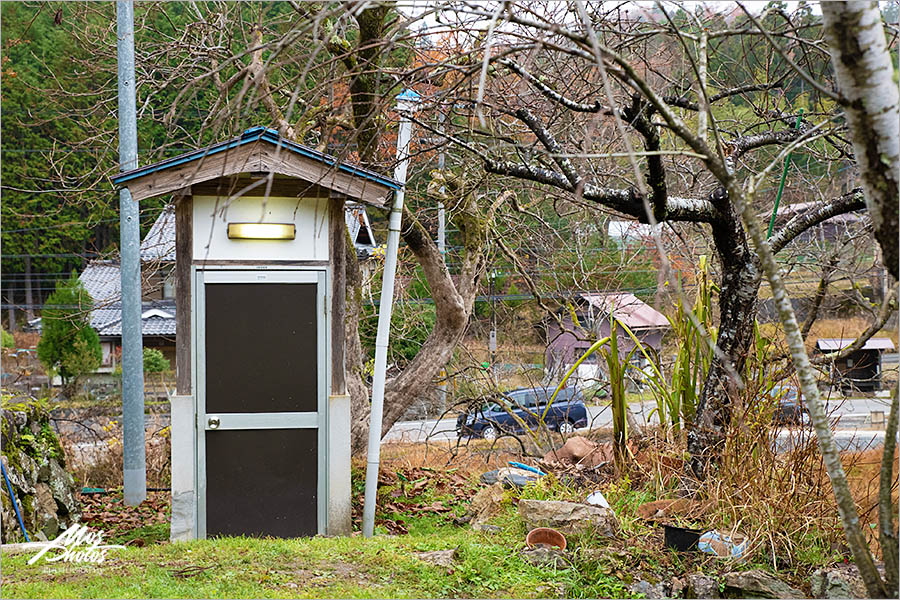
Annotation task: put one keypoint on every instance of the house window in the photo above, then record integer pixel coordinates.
(849, 363)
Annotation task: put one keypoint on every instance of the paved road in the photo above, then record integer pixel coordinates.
(853, 429)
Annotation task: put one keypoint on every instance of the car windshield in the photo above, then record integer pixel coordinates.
(784, 393)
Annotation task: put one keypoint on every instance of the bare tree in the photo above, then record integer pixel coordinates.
(565, 99)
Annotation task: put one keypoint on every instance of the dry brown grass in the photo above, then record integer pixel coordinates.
(100, 464)
(863, 472)
(783, 501)
(847, 327)
(26, 340)
(470, 459)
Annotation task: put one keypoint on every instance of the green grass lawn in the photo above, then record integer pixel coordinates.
(487, 565)
(421, 504)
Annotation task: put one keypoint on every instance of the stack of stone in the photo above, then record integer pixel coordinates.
(34, 462)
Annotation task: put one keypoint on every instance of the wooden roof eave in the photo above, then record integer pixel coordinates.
(256, 156)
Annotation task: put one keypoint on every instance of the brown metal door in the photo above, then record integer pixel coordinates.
(262, 392)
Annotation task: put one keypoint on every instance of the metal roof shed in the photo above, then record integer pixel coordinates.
(260, 425)
(860, 369)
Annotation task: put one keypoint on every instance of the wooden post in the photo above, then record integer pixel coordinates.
(339, 491)
(184, 244)
(337, 235)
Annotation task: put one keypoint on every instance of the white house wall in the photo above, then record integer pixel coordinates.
(211, 218)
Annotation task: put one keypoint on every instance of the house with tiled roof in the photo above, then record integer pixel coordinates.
(587, 319)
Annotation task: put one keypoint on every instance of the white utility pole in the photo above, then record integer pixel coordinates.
(442, 248)
(406, 104)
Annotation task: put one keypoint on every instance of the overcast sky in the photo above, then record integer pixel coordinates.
(418, 7)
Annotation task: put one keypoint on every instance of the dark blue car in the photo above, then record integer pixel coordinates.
(566, 414)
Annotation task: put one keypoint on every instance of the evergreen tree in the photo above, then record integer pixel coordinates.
(69, 346)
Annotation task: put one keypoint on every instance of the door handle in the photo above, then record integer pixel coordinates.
(213, 423)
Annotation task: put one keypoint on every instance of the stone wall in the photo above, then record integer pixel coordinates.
(36, 468)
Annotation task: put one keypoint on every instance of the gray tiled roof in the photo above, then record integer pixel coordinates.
(102, 281)
(159, 243)
(156, 320)
(101, 317)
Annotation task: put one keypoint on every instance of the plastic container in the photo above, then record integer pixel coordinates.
(681, 538)
(724, 545)
(545, 536)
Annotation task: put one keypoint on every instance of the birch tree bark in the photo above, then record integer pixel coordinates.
(870, 100)
(831, 456)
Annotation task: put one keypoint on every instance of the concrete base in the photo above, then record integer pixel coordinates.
(339, 522)
(184, 472)
(135, 486)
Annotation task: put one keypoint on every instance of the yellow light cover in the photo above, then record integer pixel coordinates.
(261, 231)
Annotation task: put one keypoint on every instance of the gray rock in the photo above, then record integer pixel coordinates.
(441, 558)
(569, 517)
(649, 590)
(542, 555)
(758, 584)
(62, 485)
(698, 585)
(44, 491)
(839, 582)
(45, 509)
(486, 503)
(44, 471)
(51, 527)
(486, 528)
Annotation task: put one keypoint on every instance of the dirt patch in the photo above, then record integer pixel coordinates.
(323, 576)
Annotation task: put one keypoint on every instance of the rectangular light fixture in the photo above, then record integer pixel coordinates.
(261, 231)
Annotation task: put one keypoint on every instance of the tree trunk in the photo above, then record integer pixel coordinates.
(365, 81)
(887, 534)
(354, 356)
(865, 74)
(29, 298)
(453, 306)
(740, 281)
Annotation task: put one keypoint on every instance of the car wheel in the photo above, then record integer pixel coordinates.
(565, 428)
(489, 433)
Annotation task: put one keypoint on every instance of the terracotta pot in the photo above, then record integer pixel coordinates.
(547, 536)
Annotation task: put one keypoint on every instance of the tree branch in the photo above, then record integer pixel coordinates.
(849, 202)
(552, 94)
(685, 103)
(556, 152)
(744, 144)
(639, 116)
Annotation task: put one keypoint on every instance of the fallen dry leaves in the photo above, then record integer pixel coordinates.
(109, 513)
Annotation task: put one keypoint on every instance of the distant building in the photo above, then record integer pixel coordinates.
(861, 369)
(591, 322)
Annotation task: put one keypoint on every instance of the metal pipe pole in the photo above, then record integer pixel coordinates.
(406, 103)
(442, 248)
(442, 219)
(134, 459)
(492, 341)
